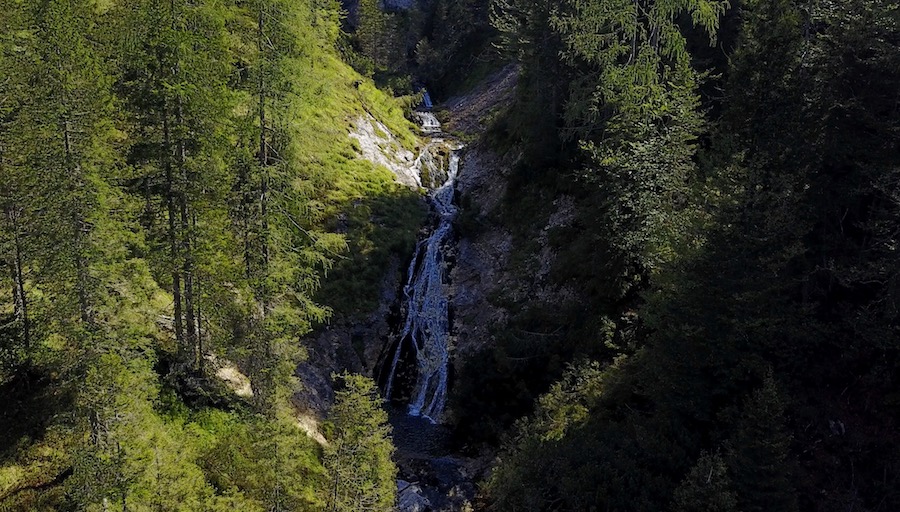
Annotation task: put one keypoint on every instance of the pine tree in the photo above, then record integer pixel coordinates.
(379, 37)
(17, 345)
(371, 30)
(634, 111)
(527, 36)
(706, 488)
(758, 454)
(358, 456)
(175, 66)
(282, 248)
(626, 53)
(274, 43)
(70, 151)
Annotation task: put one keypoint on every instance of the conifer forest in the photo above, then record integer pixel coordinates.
(450, 255)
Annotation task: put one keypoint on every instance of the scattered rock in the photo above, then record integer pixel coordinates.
(410, 498)
(446, 483)
(352, 344)
(229, 374)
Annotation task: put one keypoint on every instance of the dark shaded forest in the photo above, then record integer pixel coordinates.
(735, 169)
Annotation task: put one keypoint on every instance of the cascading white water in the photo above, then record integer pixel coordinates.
(428, 168)
(430, 123)
(426, 328)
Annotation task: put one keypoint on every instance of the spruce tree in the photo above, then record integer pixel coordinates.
(634, 111)
(380, 38)
(706, 488)
(70, 152)
(526, 35)
(361, 474)
(371, 31)
(16, 346)
(282, 247)
(758, 454)
(174, 64)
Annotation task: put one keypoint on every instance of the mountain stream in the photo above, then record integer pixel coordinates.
(416, 366)
(426, 326)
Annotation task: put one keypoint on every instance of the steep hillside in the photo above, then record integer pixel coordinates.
(449, 255)
(678, 260)
(184, 176)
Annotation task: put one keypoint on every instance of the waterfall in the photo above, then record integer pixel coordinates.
(430, 123)
(426, 328)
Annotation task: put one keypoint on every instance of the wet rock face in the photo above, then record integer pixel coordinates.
(436, 481)
(505, 257)
(411, 498)
(378, 145)
(444, 484)
(353, 344)
(481, 257)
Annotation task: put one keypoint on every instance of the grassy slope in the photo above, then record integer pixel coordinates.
(378, 216)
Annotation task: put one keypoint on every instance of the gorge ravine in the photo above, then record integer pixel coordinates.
(426, 326)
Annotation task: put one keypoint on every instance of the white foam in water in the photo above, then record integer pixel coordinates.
(430, 123)
(427, 326)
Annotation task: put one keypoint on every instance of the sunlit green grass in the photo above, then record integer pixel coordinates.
(362, 200)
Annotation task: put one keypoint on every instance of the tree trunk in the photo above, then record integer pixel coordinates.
(20, 299)
(79, 226)
(263, 343)
(199, 363)
(246, 219)
(172, 235)
(190, 329)
(197, 299)
(263, 143)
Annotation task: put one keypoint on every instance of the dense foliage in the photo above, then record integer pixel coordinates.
(176, 180)
(444, 45)
(170, 173)
(741, 240)
(358, 458)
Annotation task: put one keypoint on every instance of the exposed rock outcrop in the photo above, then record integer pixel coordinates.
(378, 145)
(481, 256)
(471, 113)
(348, 344)
(504, 256)
(410, 498)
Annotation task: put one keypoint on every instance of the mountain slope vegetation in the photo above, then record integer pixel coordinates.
(171, 176)
(695, 216)
(735, 268)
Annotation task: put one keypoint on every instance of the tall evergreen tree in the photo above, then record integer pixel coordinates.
(16, 346)
(175, 67)
(706, 488)
(634, 109)
(758, 456)
(70, 154)
(282, 247)
(358, 456)
(527, 36)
